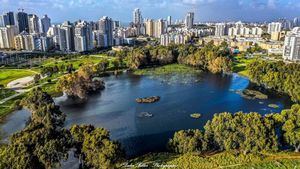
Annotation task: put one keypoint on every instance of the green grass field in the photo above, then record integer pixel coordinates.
(219, 160)
(8, 75)
(240, 64)
(75, 61)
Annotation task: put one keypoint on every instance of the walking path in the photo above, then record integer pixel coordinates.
(19, 86)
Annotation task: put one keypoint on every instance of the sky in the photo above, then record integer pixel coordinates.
(205, 10)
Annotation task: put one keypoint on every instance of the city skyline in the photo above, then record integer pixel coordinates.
(205, 10)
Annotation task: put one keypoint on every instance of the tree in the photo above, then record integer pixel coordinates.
(102, 66)
(245, 132)
(186, 141)
(81, 83)
(95, 147)
(220, 65)
(279, 76)
(43, 109)
(291, 126)
(43, 143)
(36, 78)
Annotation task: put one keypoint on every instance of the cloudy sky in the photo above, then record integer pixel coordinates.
(205, 10)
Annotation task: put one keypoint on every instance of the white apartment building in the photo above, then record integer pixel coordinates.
(292, 45)
(274, 27)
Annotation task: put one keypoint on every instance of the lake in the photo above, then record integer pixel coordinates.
(116, 110)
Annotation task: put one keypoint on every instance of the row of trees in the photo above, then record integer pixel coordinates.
(44, 143)
(278, 76)
(50, 70)
(81, 83)
(213, 58)
(243, 132)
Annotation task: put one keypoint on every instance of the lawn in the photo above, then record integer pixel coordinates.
(75, 61)
(240, 65)
(219, 160)
(8, 75)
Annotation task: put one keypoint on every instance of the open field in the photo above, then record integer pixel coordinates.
(240, 64)
(8, 75)
(220, 160)
(75, 61)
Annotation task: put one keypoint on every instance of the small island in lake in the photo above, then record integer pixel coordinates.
(195, 115)
(275, 106)
(151, 99)
(252, 94)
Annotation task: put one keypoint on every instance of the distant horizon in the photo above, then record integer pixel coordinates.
(121, 10)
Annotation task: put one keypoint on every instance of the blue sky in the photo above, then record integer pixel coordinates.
(205, 10)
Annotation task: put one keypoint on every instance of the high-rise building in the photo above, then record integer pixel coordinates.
(69, 35)
(296, 22)
(155, 28)
(83, 37)
(46, 43)
(45, 24)
(116, 24)
(189, 20)
(32, 42)
(33, 23)
(7, 19)
(159, 28)
(4, 20)
(149, 24)
(292, 45)
(7, 35)
(99, 39)
(22, 19)
(274, 27)
(19, 41)
(169, 20)
(221, 29)
(11, 18)
(137, 16)
(173, 38)
(106, 28)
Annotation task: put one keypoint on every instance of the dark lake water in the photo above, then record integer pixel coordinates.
(116, 110)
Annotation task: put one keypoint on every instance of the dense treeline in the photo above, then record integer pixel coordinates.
(213, 58)
(278, 76)
(82, 82)
(247, 133)
(44, 143)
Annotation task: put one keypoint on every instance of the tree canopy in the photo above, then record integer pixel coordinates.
(81, 83)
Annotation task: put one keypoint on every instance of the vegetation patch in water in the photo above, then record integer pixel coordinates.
(173, 73)
(195, 115)
(275, 106)
(168, 69)
(252, 94)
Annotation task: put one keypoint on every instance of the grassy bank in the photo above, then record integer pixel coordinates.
(219, 160)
